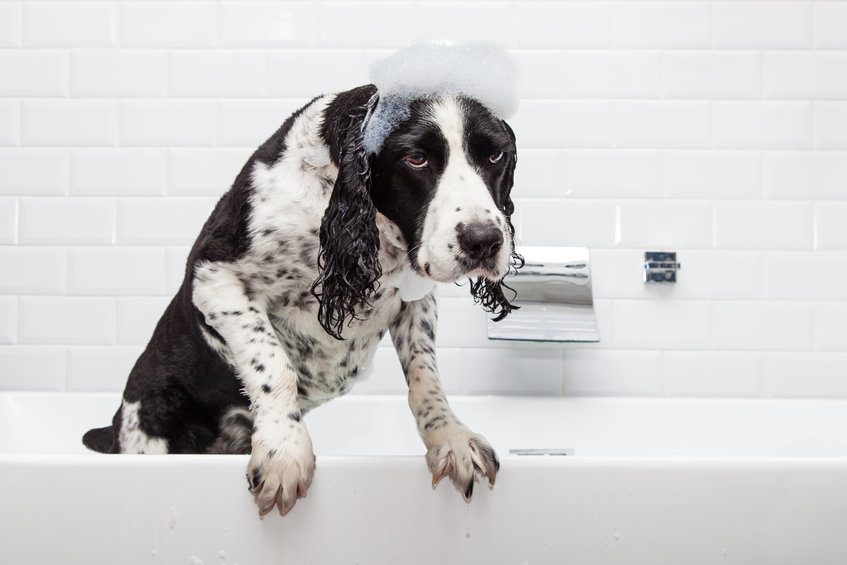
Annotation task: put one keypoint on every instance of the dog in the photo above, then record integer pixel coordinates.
(319, 248)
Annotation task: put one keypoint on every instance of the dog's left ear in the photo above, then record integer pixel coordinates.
(492, 294)
(348, 261)
(506, 198)
(506, 203)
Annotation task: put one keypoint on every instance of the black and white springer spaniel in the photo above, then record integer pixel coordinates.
(317, 250)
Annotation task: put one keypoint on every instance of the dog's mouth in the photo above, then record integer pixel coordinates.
(459, 267)
(461, 247)
(487, 268)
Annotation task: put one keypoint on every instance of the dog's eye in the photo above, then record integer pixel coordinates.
(417, 160)
(495, 157)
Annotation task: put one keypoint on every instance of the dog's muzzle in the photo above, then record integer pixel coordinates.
(480, 242)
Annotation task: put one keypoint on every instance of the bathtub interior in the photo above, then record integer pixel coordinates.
(53, 423)
(651, 481)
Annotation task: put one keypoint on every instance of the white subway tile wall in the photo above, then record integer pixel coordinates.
(10, 24)
(714, 129)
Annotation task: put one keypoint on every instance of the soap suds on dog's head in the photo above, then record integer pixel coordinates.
(482, 72)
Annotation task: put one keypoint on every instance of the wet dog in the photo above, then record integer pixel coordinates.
(319, 248)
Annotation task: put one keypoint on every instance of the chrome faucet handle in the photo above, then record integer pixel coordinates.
(660, 266)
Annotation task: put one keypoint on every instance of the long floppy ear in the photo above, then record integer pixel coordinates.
(507, 204)
(491, 294)
(348, 260)
(506, 196)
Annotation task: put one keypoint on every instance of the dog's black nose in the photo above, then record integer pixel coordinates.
(480, 241)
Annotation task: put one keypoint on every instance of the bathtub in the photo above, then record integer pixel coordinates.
(644, 481)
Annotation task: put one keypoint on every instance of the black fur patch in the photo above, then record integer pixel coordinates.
(349, 256)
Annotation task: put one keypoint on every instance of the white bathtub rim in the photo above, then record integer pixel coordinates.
(406, 461)
(596, 427)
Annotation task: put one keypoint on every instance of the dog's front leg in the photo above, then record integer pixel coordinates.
(282, 462)
(452, 449)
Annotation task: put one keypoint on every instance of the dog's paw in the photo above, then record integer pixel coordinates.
(279, 475)
(463, 456)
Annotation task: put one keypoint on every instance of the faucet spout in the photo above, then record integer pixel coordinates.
(554, 295)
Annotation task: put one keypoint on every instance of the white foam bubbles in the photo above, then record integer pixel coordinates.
(483, 72)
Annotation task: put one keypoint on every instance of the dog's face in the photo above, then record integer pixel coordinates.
(444, 176)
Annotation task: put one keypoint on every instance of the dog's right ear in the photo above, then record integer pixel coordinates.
(348, 260)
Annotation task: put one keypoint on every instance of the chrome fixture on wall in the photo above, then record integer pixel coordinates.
(554, 294)
(660, 266)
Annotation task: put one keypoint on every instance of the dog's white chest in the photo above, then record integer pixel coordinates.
(413, 287)
(326, 367)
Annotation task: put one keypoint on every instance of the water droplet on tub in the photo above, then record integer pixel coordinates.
(174, 518)
(194, 560)
(222, 555)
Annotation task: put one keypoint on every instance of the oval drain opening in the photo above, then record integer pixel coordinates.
(541, 452)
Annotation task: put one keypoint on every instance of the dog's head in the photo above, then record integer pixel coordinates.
(443, 173)
(444, 176)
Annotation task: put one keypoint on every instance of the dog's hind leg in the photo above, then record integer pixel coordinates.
(132, 438)
(126, 434)
(235, 430)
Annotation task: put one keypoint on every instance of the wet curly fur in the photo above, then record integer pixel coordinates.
(348, 259)
(491, 295)
(316, 252)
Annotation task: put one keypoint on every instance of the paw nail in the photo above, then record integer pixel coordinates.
(437, 476)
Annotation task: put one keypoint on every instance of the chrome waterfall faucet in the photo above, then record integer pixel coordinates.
(554, 294)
